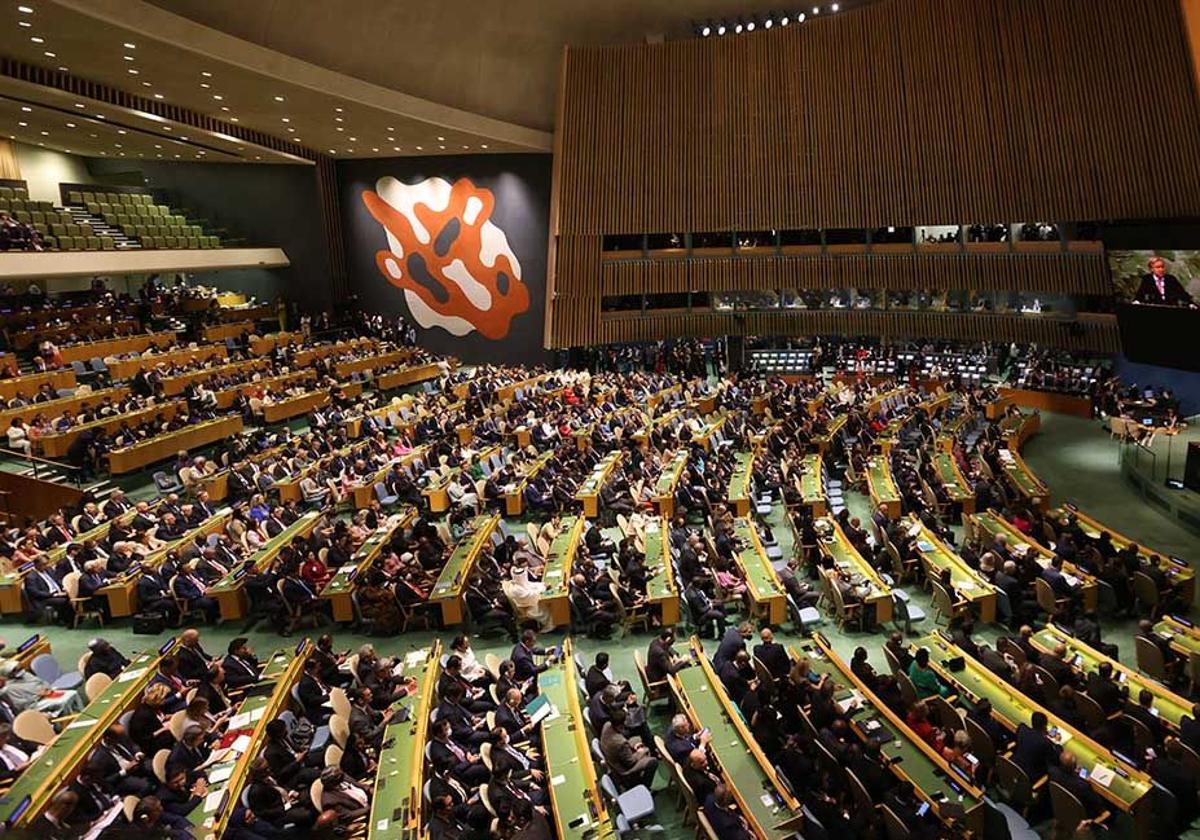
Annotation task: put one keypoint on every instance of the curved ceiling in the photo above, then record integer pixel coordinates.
(496, 58)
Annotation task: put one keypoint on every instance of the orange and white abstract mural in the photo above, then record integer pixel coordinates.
(452, 262)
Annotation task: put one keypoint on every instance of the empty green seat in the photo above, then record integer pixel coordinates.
(41, 228)
(93, 208)
(50, 242)
(89, 198)
(16, 204)
(107, 243)
(6, 192)
(193, 242)
(21, 193)
(129, 230)
(23, 217)
(5, 204)
(38, 217)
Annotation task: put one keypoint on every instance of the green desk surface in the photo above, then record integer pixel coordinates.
(707, 430)
(573, 782)
(343, 579)
(812, 481)
(992, 525)
(1025, 481)
(760, 574)
(1181, 636)
(1170, 706)
(595, 480)
(741, 767)
(952, 478)
(458, 567)
(1177, 572)
(556, 575)
(879, 478)
(1012, 707)
(739, 482)
(42, 778)
(263, 557)
(273, 670)
(967, 582)
(660, 577)
(832, 430)
(670, 474)
(398, 776)
(847, 558)
(915, 763)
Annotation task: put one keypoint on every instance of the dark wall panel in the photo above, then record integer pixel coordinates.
(264, 205)
(463, 210)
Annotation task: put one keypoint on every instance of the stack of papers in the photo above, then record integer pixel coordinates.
(1102, 775)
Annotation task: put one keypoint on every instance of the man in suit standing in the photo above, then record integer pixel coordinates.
(522, 657)
(1034, 752)
(732, 642)
(1161, 289)
(661, 660)
(772, 654)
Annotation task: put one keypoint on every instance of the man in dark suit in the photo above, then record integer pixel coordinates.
(721, 810)
(1158, 288)
(681, 740)
(191, 589)
(1172, 772)
(661, 660)
(1145, 712)
(314, 693)
(240, 664)
(1102, 689)
(43, 589)
(772, 654)
(698, 774)
(1066, 773)
(1034, 751)
(468, 767)
(733, 641)
(1053, 575)
(702, 608)
(116, 763)
(737, 675)
(523, 654)
(153, 595)
(193, 660)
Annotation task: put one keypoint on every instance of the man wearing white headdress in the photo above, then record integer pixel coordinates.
(526, 597)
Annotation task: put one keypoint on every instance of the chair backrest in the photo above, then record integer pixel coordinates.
(907, 690)
(339, 730)
(706, 826)
(339, 701)
(1007, 647)
(81, 665)
(316, 792)
(46, 667)
(893, 661)
(1143, 737)
(1090, 710)
(1013, 781)
(1045, 596)
(31, 725)
(177, 723)
(486, 799)
(1046, 679)
(159, 765)
(71, 584)
(982, 746)
(333, 755)
(893, 825)
(1068, 810)
(1145, 590)
(95, 686)
(948, 716)
(942, 599)
(861, 797)
(129, 806)
(1150, 658)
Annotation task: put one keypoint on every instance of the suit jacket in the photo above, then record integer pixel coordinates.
(193, 662)
(617, 749)
(775, 657)
(1173, 293)
(728, 825)
(1105, 692)
(367, 724)
(38, 589)
(1034, 752)
(512, 720)
(702, 782)
(103, 762)
(312, 696)
(731, 643)
(658, 660)
(239, 672)
(679, 748)
(526, 665)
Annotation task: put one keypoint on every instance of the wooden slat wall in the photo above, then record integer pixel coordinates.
(1099, 335)
(902, 112)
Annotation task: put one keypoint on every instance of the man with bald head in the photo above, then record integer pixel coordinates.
(772, 654)
(699, 777)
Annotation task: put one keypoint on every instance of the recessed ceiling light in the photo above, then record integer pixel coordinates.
(64, 69)
(258, 157)
(70, 125)
(130, 46)
(120, 154)
(158, 96)
(218, 97)
(391, 139)
(22, 123)
(99, 116)
(466, 147)
(389, 128)
(205, 85)
(339, 128)
(26, 109)
(159, 154)
(45, 133)
(278, 98)
(353, 139)
(178, 155)
(419, 148)
(24, 23)
(79, 105)
(285, 119)
(224, 107)
(395, 148)
(233, 119)
(337, 119)
(120, 131)
(25, 10)
(157, 146)
(93, 135)
(351, 151)
(147, 84)
(339, 110)
(292, 130)
(441, 139)
(206, 74)
(374, 148)
(37, 40)
(49, 54)
(166, 128)
(441, 147)
(132, 72)
(128, 58)
(333, 151)
(183, 137)
(483, 145)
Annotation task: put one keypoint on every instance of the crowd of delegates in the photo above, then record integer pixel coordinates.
(1040, 369)
(687, 356)
(18, 236)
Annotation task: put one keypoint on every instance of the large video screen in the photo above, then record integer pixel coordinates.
(1158, 312)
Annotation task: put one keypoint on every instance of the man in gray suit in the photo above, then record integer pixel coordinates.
(632, 763)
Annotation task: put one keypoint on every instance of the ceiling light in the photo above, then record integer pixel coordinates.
(64, 69)
(395, 148)
(183, 137)
(147, 84)
(120, 154)
(233, 119)
(218, 97)
(130, 46)
(37, 40)
(22, 124)
(440, 139)
(720, 29)
(118, 146)
(205, 85)
(278, 98)
(291, 130)
(49, 54)
(79, 105)
(224, 107)
(157, 146)
(768, 23)
(120, 131)
(391, 139)
(99, 116)
(45, 133)
(800, 17)
(25, 10)
(738, 27)
(784, 21)
(24, 23)
(258, 157)
(389, 128)
(339, 110)
(339, 128)
(337, 119)
(441, 147)
(70, 125)
(374, 148)
(483, 145)
(128, 58)
(178, 155)
(835, 7)
(158, 96)
(750, 26)
(351, 151)
(706, 30)
(285, 119)
(419, 148)
(816, 10)
(206, 74)
(353, 139)
(333, 151)
(26, 109)
(132, 72)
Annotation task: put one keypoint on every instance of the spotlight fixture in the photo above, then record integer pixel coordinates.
(784, 20)
(769, 22)
(835, 7)
(721, 28)
(738, 27)
(750, 25)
